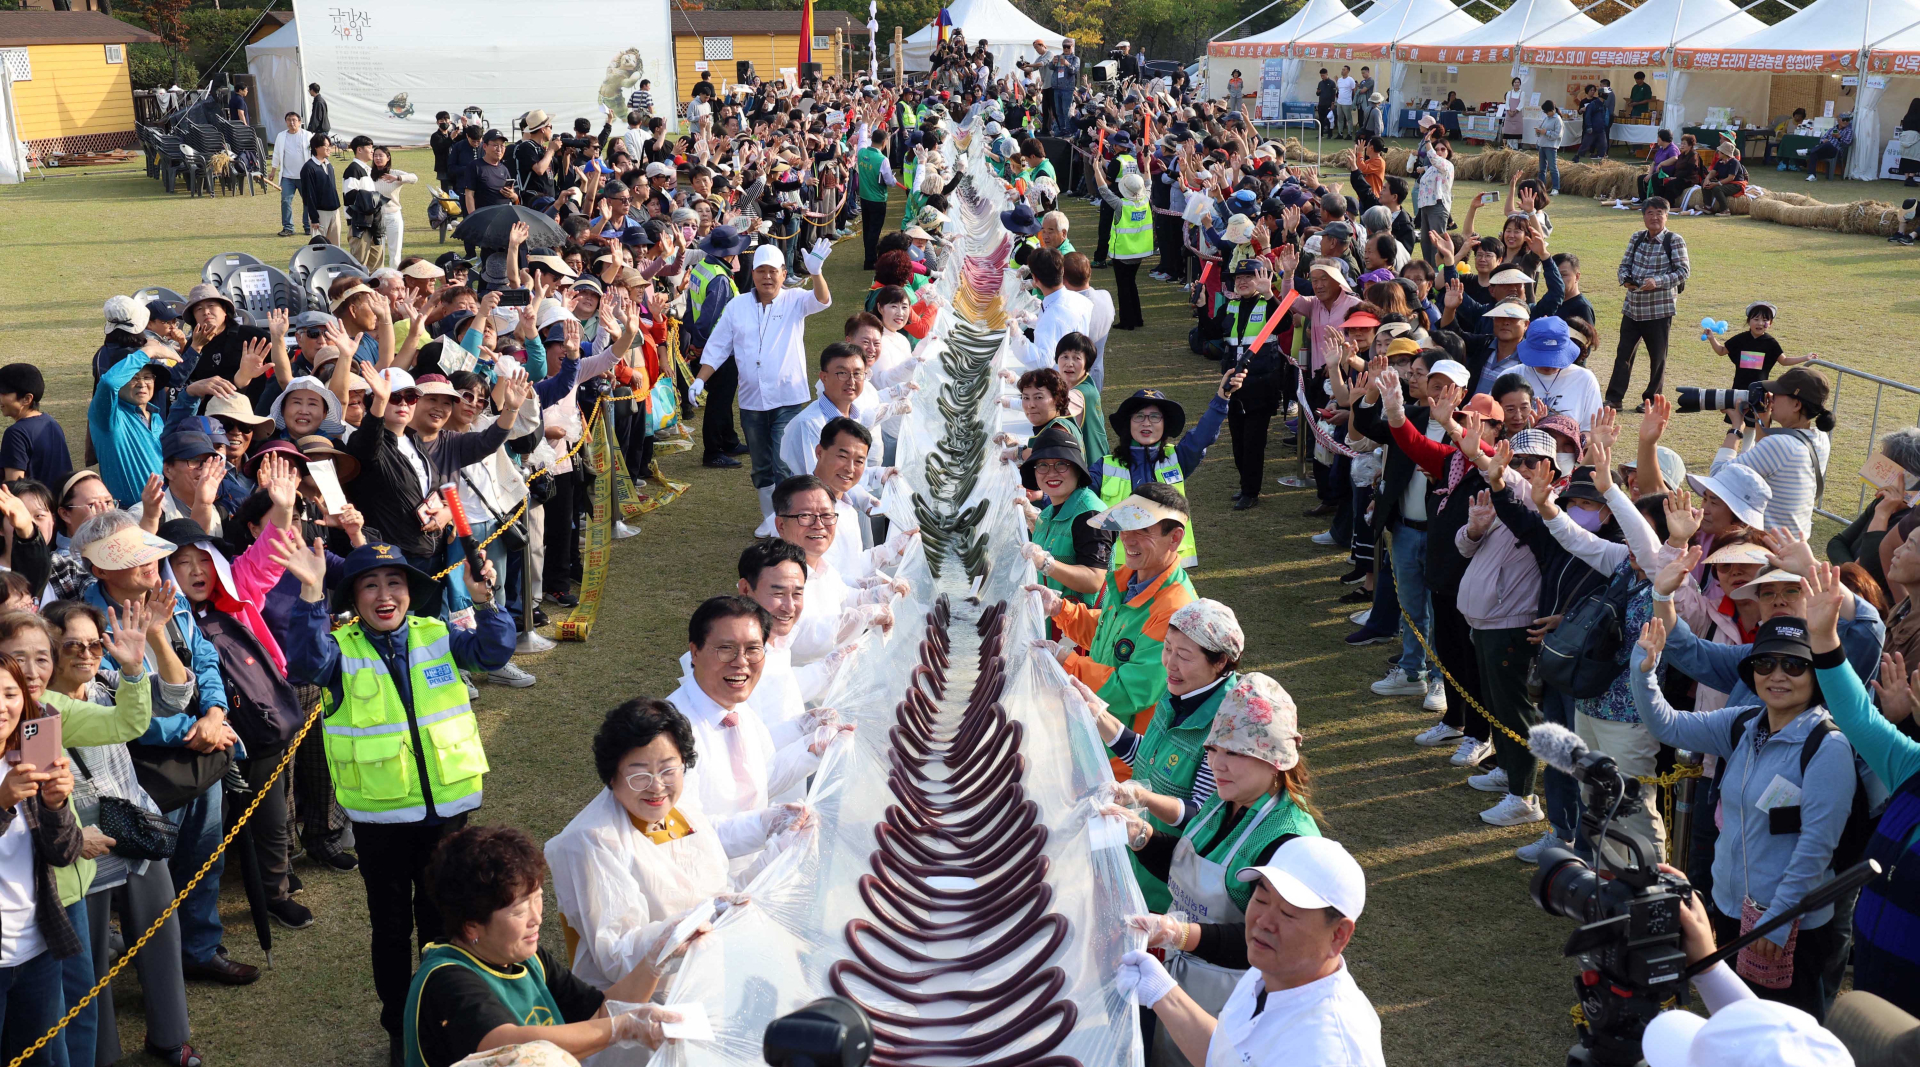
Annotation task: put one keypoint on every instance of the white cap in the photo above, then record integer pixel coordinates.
(1741, 489)
(659, 169)
(1507, 309)
(505, 320)
(769, 255)
(1314, 872)
(1455, 371)
(1747, 1033)
(1751, 590)
(1510, 276)
(126, 313)
(398, 379)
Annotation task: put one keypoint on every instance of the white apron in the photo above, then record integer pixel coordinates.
(1199, 887)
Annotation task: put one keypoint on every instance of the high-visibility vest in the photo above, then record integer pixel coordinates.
(372, 734)
(705, 273)
(1128, 164)
(1116, 485)
(1132, 232)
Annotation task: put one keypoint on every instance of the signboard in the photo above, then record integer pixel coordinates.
(1772, 62)
(1430, 54)
(699, 66)
(1272, 76)
(1594, 57)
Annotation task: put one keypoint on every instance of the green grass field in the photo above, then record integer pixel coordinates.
(1463, 968)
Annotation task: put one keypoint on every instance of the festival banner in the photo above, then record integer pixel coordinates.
(1414, 53)
(1594, 57)
(600, 459)
(1769, 62)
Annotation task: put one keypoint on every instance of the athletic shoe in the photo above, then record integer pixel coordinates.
(1398, 683)
(1325, 537)
(1494, 781)
(1813, 177)
(1359, 618)
(565, 600)
(473, 691)
(621, 531)
(285, 233)
(1364, 636)
(1355, 576)
(1530, 853)
(511, 676)
(1436, 699)
(292, 915)
(1436, 735)
(1513, 811)
(721, 462)
(1471, 753)
(1356, 595)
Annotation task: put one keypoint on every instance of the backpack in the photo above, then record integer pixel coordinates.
(1861, 817)
(1666, 245)
(1581, 656)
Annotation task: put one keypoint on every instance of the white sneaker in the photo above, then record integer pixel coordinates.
(473, 691)
(1324, 537)
(1513, 811)
(1398, 683)
(1813, 178)
(510, 675)
(1436, 735)
(1359, 618)
(1494, 781)
(1530, 853)
(621, 531)
(1471, 752)
(1436, 693)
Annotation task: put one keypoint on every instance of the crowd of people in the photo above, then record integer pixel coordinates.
(265, 532)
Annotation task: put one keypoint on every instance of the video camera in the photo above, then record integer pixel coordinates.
(579, 144)
(1750, 402)
(830, 1032)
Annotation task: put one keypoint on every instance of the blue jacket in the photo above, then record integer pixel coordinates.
(1718, 666)
(202, 660)
(127, 438)
(1189, 450)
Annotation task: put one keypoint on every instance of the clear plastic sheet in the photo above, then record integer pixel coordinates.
(772, 956)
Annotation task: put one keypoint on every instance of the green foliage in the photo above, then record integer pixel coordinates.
(154, 66)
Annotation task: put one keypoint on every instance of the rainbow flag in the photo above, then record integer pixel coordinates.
(806, 32)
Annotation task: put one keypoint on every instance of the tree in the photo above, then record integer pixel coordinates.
(164, 17)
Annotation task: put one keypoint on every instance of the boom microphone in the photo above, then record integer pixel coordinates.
(1559, 747)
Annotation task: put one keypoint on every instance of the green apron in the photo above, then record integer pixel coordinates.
(526, 994)
(1167, 762)
(1054, 532)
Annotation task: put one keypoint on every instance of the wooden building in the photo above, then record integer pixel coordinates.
(770, 40)
(71, 89)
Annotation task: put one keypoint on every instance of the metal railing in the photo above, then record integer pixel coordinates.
(1845, 441)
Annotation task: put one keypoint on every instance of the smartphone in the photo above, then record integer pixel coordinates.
(515, 298)
(1490, 198)
(40, 741)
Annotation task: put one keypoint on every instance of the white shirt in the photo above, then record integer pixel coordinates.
(1062, 312)
(1328, 1023)
(290, 152)
(847, 556)
(802, 435)
(389, 186)
(1571, 391)
(1102, 326)
(1343, 90)
(719, 787)
(21, 940)
(767, 342)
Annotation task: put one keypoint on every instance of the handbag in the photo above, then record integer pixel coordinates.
(138, 834)
(173, 777)
(1774, 973)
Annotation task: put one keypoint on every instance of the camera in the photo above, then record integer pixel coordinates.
(830, 1032)
(578, 144)
(1750, 402)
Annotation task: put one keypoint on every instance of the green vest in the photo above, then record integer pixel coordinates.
(1054, 532)
(705, 273)
(1132, 234)
(1120, 640)
(1116, 485)
(1167, 761)
(1093, 421)
(370, 737)
(868, 162)
(525, 994)
(1128, 164)
(1285, 818)
(1242, 329)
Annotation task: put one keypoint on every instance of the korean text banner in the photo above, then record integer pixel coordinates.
(386, 66)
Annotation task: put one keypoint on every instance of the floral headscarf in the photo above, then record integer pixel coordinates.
(1211, 625)
(1257, 718)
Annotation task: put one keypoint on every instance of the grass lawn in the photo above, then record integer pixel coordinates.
(1463, 968)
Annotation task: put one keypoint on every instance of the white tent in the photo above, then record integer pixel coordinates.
(1249, 54)
(1825, 37)
(278, 87)
(1009, 34)
(1639, 40)
(1386, 25)
(1893, 82)
(1480, 63)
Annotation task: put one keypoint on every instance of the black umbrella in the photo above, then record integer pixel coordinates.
(238, 794)
(490, 226)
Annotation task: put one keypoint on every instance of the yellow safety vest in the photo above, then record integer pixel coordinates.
(1132, 232)
(1116, 485)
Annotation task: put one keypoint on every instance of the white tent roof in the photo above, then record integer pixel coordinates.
(1536, 22)
(1008, 31)
(1640, 37)
(1386, 23)
(274, 62)
(1316, 19)
(1824, 36)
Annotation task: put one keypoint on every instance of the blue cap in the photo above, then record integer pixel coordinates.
(1547, 344)
(188, 444)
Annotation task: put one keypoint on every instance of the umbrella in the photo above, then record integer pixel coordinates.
(489, 226)
(240, 792)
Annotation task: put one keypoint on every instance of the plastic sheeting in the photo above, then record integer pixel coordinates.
(772, 956)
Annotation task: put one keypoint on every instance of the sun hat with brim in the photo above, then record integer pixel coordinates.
(589, 283)
(1531, 442)
(1257, 718)
(125, 314)
(1339, 276)
(1562, 426)
(724, 241)
(435, 385)
(1020, 219)
(204, 292)
(917, 233)
(1484, 406)
(1581, 487)
(1122, 416)
(422, 270)
(1752, 589)
(1509, 276)
(237, 408)
(315, 446)
(1508, 309)
(278, 445)
(331, 424)
(372, 557)
(1739, 552)
(1741, 489)
(1313, 873)
(1360, 320)
(348, 294)
(126, 549)
(1239, 230)
(1746, 1033)
(1055, 442)
(1135, 513)
(1547, 344)
(551, 262)
(1673, 469)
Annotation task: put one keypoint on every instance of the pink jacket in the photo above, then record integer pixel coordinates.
(1501, 588)
(244, 586)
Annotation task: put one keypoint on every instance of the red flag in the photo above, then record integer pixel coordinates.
(1273, 319)
(806, 32)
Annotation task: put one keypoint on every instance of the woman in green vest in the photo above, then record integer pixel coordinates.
(1129, 243)
(1073, 357)
(1070, 555)
(1143, 425)
(1043, 399)
(490, 984)
(1263, 799)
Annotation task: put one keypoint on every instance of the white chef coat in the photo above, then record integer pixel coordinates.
(1062, 311)
(767, 342)
(1328, 1023)
(714, 783)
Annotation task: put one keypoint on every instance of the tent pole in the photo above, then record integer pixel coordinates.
(1896, 33)
(1437, 18)
(1243, 21)
(1288, 51)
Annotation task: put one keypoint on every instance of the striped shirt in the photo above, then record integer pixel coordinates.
(1781, 459)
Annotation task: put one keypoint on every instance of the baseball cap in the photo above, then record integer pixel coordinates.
(1339, 231)
(493, 135)
(1314, 872)
(1673, 469)
(1750, 1033)
(1455, 371)
(658, 169)
(189, 444)
(769, 256)
(163, 311)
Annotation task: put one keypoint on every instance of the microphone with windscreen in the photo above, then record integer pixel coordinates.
(1556, 746)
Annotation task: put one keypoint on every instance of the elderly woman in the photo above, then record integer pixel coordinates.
(40, 833)
(1143, 425)
(218, 349)
(641, 856)
(491, 984)
(1070, 556)
(1860, 542)
(1263, 800)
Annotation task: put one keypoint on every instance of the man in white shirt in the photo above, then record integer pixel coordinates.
(807, 516)
(1062, 311)
(843, 373)
(1297, 1004)
(1343, 100)
(289, 155)
(1077, 275)
(764, 333)
(773, 574)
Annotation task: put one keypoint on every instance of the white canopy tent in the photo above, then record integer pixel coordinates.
(1639, 40)
(278, 86)
(1249, 54)
(1386, 25)
(1480, 63)
(1893, 82)
(1009, 34)
(1825, 37)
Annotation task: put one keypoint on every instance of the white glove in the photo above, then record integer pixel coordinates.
(1009, 377)
(824, 736)
(816, 256)
(839, 657)
(1163, 931)
(1049, 600)
(1059, 650)
(1094, 703)
(695, 390)
(1142, 976)
(1037, 556)
(1129, 794)
(826, 716)
(902, 406)
(1139, 831)
(783, 817)
(883, 619)
(1011, 403)
(642, 1024)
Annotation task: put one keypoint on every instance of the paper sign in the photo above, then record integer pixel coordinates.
(328, 479)
(699, 66)
(1828, 112)
(1536, 100)
(1779, 793)
(256, 285)
(1106, 831)
(1453, 70)
(693, 1025)
(1883, 473)
(455, 358)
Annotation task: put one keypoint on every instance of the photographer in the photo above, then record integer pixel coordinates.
(532, 162)
(1792, 455)
(1780, 822)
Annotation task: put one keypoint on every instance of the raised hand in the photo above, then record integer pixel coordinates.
(1675, 573)
(1653, 424)
(1826, 595)
(1683, 519)
(309, 566)
(277, 476)
(1480, 514)
(1791, 552)
(127, 643)
(1653, 640)
(1894, 687)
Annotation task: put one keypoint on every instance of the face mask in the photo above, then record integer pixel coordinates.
(1587, 519)
(1565, 461)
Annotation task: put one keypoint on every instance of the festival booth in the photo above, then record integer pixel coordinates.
(1637, 41)
(1262, 58)
(1387, 25)
(1893, 82)
(1481, 63)
(278, 86)
(1009, 34)
(386, 68)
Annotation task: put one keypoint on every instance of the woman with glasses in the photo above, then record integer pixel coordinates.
(641, 855)
(1144, 426)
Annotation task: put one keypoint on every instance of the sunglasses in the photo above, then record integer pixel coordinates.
(1791, 666)
(471, 397)
(1526, 462)
(314, 333)
(406, 396)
